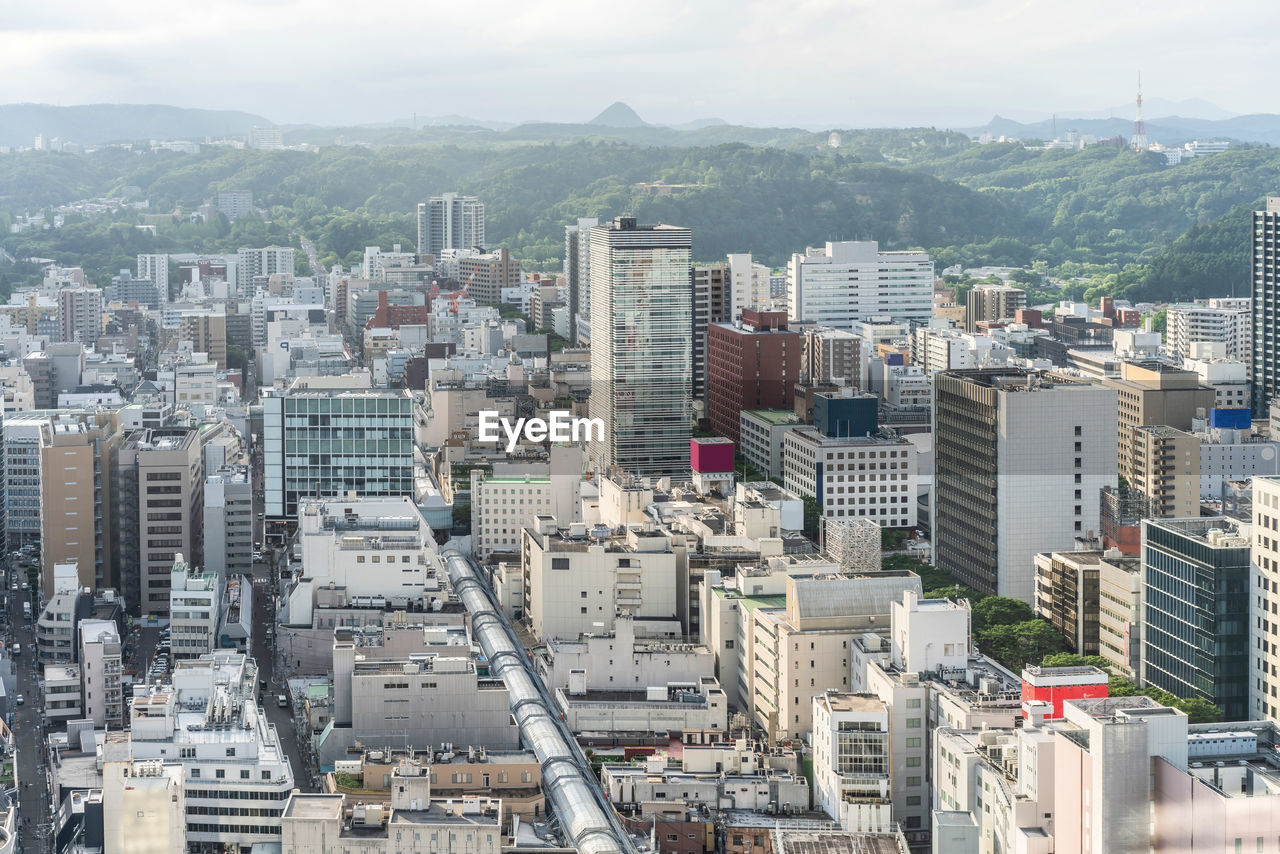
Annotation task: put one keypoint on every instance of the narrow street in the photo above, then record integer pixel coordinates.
(27, 724)
(282, 718)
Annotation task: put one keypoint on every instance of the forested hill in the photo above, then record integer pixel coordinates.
(1091, 214)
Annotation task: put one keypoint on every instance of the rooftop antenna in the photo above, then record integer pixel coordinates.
(1139, 141)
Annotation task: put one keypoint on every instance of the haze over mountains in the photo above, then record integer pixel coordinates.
(104, 123)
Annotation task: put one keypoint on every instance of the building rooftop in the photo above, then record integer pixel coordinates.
(864, 703)
(787, 840)
(312, 807)
(774, 417)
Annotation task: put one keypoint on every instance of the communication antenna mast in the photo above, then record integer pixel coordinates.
(1139, 141)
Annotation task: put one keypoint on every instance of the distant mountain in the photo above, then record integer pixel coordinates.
(618, 115)
(101, 123)
(699, 124)
(1262, 129)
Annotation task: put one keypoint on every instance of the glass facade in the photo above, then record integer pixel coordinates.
(318, 445)
(1196, 611)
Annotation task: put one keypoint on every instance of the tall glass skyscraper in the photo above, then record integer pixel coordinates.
(642, 346)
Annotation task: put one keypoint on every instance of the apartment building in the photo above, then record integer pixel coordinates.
(1264, 586)
(831, 356)
(486, 274)
(992, 304)
(206, 329)
(80, 315)
(101, 666)
(228, 522)
(1164, 465)
(1225, 322)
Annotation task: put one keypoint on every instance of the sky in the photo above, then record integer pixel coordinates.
(810, 63)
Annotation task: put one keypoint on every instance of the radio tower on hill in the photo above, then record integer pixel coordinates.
(1139, 141)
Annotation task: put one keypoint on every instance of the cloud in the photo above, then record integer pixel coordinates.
(820, 62)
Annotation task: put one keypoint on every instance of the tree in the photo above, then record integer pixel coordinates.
(1016, 645)
(812, 517)
(1000, 611)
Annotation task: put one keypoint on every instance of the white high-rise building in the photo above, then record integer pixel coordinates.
(1264, 569)
(155, 269)
(1226, 321)
(847, 282)
(641, 346)
(748, 285)
(262, 262)
(236, 776)
(577, 270)
(450, 221)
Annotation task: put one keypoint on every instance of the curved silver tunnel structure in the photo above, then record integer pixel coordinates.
(585, 816)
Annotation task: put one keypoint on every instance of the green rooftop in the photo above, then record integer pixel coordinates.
(751, 603)
(774, 417)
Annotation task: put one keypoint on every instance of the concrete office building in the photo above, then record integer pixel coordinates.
(847, 282)
(1067, 595)
(1195, 600)
(1019, 459)
(761, 433)
(991, 304)
(1154, 392)
(339, 441)
(752, 363)
(143, 806)
(577, 270)
(1120, 612)
(435, 692)
(851, 761)
(799, 651)
(450, 221)
(228, 523)
(854, 469)
(575, 583)
(78, 501)
(1226, 322)
(412, 823)
(236, 775)
(641, 349)
(160, 489)
(511, 498)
